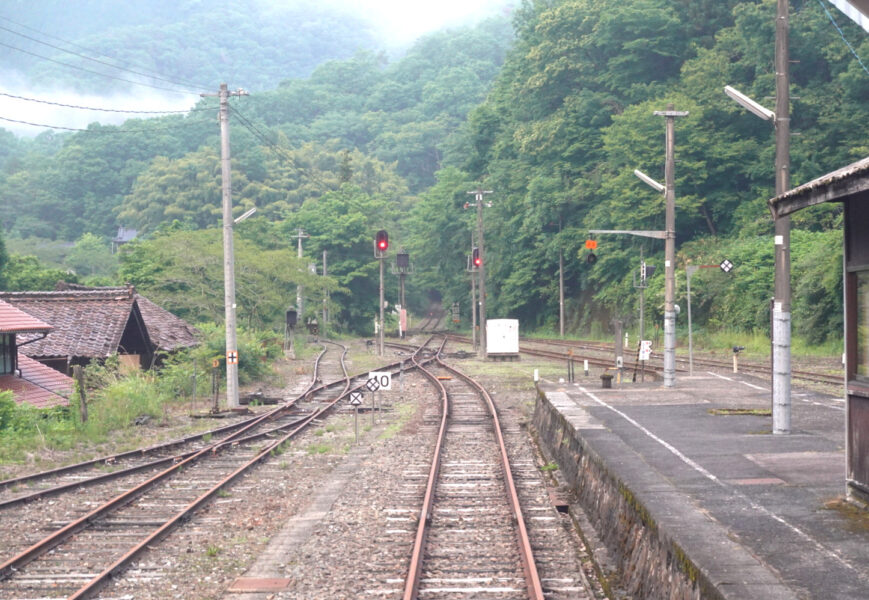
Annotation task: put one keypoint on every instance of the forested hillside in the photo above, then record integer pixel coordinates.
(552, 113)
(174, 45)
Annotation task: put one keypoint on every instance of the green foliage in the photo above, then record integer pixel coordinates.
(26, 273)
(182, 271)
(91, 256)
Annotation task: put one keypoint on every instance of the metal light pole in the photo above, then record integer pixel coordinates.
(670, 247)
(228, 253)
(689, 271)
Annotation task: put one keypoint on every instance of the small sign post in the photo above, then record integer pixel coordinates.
(355, 401)
(373, 385)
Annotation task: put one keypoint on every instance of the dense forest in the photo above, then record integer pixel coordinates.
(550, 108)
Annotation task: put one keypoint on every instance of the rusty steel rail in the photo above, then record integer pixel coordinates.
(57, 537)
(155, 449)
(532, 578)
(91, 587)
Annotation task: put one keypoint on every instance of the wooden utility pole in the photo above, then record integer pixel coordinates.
(228, 253)
(781, 384)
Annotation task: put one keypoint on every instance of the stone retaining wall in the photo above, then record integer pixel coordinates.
(650, 564)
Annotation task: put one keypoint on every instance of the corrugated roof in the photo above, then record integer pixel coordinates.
(14, 320)
(833, 186)
(38, 385)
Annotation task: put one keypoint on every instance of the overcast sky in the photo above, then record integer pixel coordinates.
(408, 19)
(401, 21)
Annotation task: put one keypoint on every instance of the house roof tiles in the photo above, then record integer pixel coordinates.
(38, 385)
(90, 321)
(14, 320)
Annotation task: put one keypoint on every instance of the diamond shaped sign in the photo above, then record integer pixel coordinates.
(372, 385)
(726, 265)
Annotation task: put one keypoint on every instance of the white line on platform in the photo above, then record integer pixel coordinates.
(758, 507)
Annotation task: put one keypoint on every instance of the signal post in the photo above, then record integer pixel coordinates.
(381, 243)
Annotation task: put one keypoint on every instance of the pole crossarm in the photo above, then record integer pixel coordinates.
(660, 235)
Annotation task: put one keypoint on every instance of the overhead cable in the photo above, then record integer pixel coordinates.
(156, 87)
(111, 110)
(152, 74)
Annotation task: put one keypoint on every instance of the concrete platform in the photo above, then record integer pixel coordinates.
(693, 501)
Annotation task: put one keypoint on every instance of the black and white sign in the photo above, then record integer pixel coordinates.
(383, 380)
(355, 398)
(726, 265)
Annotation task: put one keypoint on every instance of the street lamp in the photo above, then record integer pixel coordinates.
(749, 104)
(660, 187)
(781, 314)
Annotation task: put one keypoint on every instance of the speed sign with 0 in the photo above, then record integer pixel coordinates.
(383, 378)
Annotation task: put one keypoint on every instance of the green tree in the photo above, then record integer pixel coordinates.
(91, 256)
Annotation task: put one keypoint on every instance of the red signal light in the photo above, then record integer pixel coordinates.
(381, 241)
(475, 257)
(591, 244)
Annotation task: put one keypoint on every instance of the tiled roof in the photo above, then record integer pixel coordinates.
(39, 385)
(88, 324)
(90, 321)
(166, 330)
(13, 320)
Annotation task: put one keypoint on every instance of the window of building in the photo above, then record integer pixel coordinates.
(7, 353)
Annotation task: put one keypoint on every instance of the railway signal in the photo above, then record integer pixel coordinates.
(476, 260)
(381, 241)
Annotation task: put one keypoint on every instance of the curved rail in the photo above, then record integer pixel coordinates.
(532, 578)
(58, 537)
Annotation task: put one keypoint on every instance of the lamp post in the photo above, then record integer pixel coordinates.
(670, 246)
(781, 317)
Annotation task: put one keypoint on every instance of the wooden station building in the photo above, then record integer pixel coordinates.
(850, 186)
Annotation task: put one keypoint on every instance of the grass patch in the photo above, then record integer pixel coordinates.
(318, 448)
(755, 412)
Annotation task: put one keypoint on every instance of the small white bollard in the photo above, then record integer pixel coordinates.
(585, 367)
(536, 375)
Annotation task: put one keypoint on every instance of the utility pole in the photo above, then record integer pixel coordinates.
(670, 246)
(325, 293)
(478, 195)
(228, 254)
(781, 383)
(560, 283)
(299, 291)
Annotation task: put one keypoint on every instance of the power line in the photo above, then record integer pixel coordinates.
(175, 91)
(106, 129)
(151, 74)
(842, 35)
(111, 110)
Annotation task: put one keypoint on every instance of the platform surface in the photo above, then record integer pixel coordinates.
(778, 497)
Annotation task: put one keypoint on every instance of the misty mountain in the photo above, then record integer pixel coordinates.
(185, 45)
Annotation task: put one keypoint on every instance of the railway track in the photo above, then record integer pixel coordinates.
(682, 362)
(471, 537)
(76, 545)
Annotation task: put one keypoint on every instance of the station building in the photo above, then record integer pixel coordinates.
(850, 186)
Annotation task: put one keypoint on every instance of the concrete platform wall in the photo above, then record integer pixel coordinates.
(651, 564)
